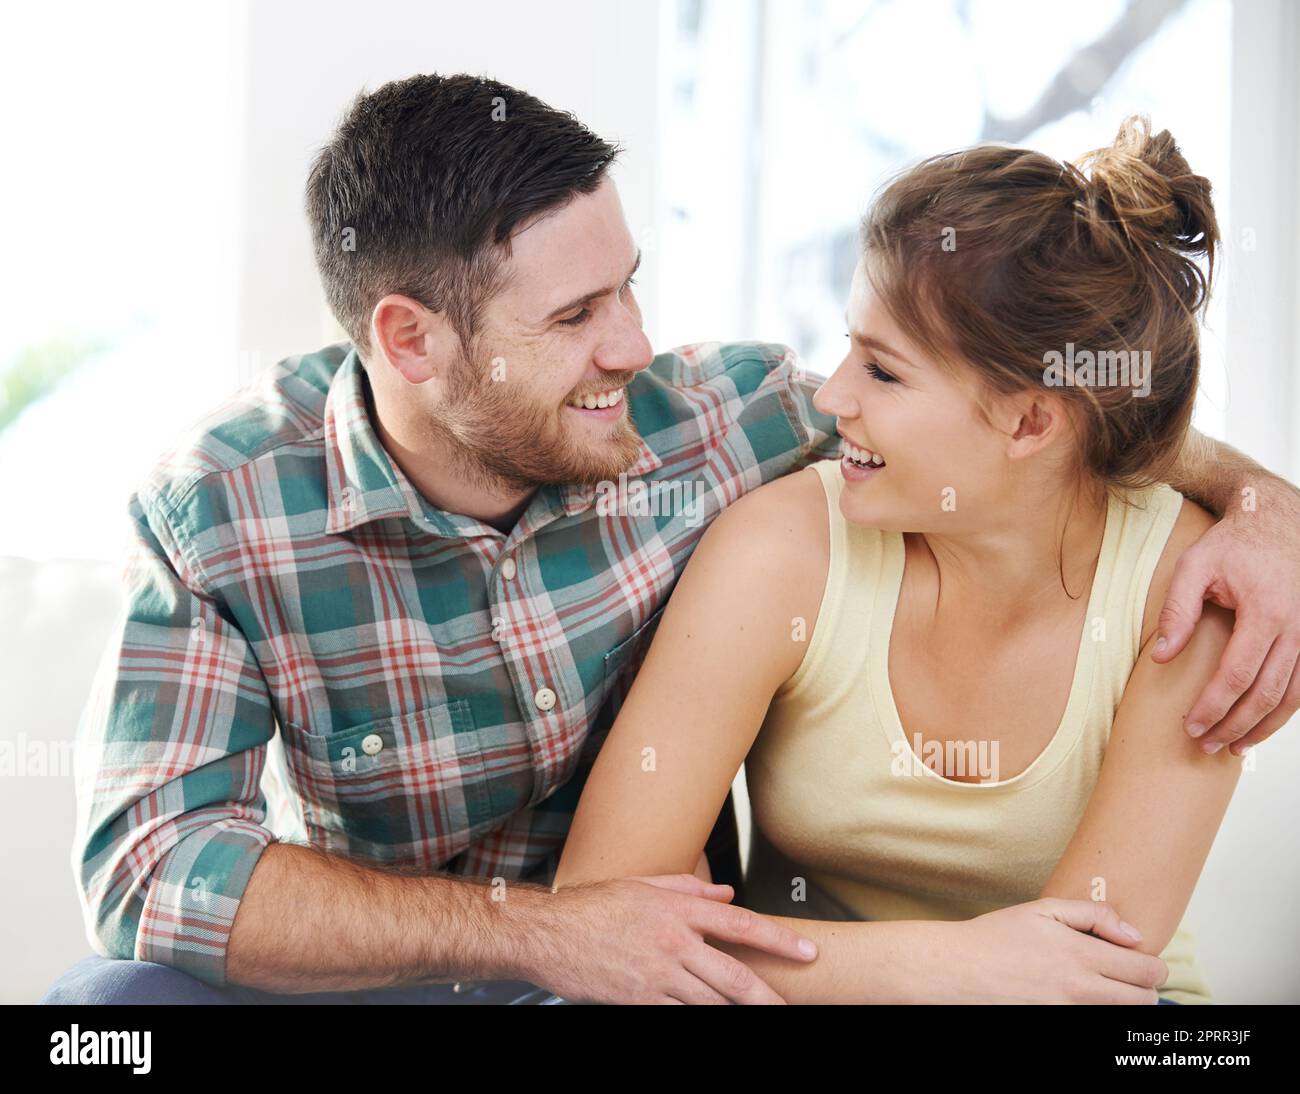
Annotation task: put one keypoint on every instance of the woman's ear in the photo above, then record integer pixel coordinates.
(1033, 422)
(418, 343)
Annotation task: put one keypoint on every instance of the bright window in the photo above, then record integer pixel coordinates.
(784, 118)
(118, 284)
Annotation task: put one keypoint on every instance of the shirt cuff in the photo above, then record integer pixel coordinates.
(193, 896)
(816, 431)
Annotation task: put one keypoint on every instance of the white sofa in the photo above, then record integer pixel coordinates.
(57, 615)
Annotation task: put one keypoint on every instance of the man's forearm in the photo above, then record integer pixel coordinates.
(309, 921)
(1214, 474)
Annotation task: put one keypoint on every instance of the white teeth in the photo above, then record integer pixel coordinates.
(860, 455)
(594, 402)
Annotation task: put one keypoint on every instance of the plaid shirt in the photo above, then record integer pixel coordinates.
(429, 690)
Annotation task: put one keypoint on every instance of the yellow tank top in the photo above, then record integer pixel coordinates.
(841, 800)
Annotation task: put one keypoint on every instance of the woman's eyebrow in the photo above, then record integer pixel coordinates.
(876, 344)
(587, 298)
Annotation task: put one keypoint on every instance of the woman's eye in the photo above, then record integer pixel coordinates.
(875, 370)
(576, 320)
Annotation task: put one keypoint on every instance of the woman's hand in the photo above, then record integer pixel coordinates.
(1051, 951)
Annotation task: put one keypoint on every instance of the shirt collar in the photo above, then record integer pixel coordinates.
(364, 483)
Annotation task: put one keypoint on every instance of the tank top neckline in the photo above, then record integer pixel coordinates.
(1073, 718)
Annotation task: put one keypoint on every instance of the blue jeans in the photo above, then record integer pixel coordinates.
(98, 980)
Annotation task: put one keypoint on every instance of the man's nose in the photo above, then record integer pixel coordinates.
(626, 347)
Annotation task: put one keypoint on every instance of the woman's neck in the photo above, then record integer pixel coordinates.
(1040, 549)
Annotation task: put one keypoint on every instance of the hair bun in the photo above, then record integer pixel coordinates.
(1142, 185)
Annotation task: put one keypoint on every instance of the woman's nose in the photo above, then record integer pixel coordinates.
(833, 400)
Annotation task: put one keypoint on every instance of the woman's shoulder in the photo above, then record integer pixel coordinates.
(787, 513)
(776, 539)
(1192, 522)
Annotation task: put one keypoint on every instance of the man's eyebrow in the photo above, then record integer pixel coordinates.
(589, 297)
(876, 344)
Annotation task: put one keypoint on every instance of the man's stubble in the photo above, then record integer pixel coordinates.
(498, 445)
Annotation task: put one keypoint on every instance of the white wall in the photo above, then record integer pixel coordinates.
(1246, 902)
(1263, 406)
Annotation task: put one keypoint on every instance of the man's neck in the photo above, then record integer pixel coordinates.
(431, 471)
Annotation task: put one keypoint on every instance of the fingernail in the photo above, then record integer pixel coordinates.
(807, 947)
(1161, 643)
(1213, 747)
(1130, 930)
(1195, 729)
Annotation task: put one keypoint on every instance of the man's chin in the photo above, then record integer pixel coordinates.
(602, 462)
(598, 472)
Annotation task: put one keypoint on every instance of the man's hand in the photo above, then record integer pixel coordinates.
(1249, 563)
(643, 940)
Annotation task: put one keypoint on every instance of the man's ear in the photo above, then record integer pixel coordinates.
(416, 342)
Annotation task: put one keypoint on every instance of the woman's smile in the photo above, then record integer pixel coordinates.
(859, 464)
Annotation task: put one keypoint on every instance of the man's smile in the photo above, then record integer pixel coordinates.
(603, 406)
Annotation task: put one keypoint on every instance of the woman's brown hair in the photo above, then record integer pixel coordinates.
(997, 256)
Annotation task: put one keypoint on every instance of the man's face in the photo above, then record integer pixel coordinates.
(566, 325)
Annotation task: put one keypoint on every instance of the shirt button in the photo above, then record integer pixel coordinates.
(545, 699)
(508, 569)
(373, 744)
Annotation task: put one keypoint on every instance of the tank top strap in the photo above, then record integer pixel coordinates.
(1139, 524)
(838, 645)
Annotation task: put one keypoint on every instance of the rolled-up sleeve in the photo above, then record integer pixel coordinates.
(821, 440)
(170, 751)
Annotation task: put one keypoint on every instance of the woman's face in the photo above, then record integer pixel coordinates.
(942, 466)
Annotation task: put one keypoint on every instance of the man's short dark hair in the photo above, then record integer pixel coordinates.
(424, 182)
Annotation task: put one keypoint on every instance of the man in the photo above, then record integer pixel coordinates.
(425, 565)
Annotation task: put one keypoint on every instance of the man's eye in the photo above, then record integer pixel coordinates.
(576, 320)
(880, 374)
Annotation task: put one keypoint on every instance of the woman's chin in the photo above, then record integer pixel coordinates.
(872, 514)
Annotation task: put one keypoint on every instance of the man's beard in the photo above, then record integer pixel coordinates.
(500, 445)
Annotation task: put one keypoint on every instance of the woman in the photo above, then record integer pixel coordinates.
(931, 656)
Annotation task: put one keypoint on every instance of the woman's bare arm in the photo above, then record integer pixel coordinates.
(1159, 800)
(724, 645)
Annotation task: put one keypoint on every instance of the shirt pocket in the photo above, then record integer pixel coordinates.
(624, 661)
(408, 788)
